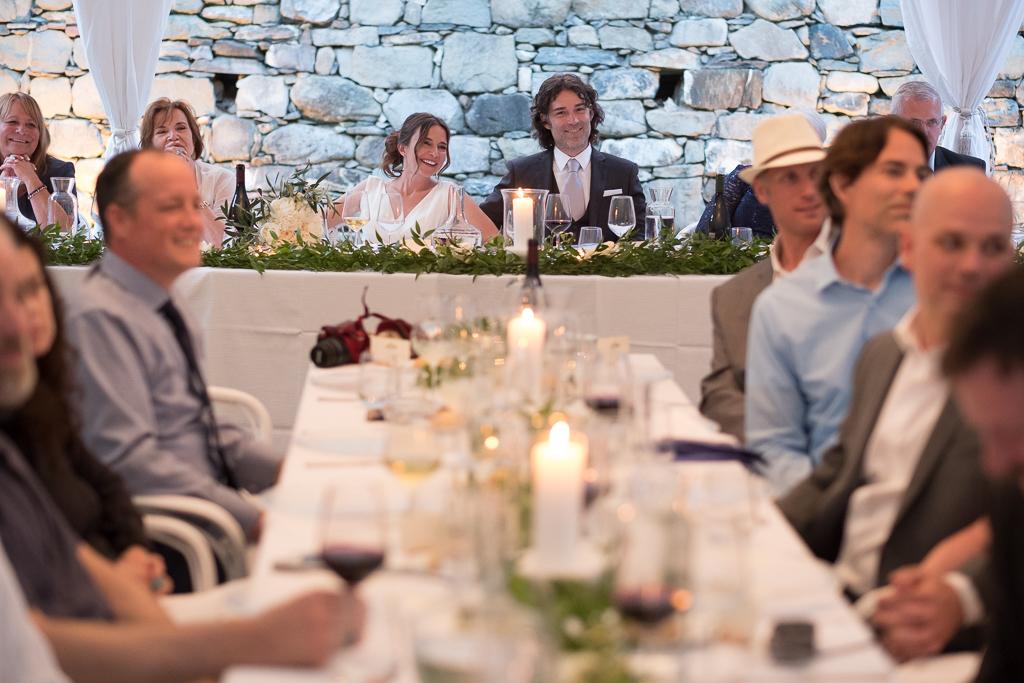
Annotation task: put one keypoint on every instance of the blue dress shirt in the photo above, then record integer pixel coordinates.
(139, 413)
(806, 332)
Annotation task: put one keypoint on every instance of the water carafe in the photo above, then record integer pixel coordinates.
(63, 199)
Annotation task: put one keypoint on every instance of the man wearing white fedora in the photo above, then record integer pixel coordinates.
(787, 157)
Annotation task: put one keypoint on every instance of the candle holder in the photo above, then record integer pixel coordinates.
(523, 217)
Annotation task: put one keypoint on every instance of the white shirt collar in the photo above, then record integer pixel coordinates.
(907, 337)
(561, 158)
(820, 245)
(931, 161)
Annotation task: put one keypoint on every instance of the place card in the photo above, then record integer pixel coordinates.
(391, 351)
(613, 345)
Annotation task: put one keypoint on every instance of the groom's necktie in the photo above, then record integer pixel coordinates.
(197, 385)
(574, 190)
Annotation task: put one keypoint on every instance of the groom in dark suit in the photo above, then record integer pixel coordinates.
(919, 103)
(566, 117)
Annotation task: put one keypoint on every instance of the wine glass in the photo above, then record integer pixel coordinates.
(621, 215)
(355, 216)
(557, 218)
(353, 530)
(412, 454)
(607, 384)
(390, 215)
(378, 383)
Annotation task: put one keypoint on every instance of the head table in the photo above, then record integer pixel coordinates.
(332, 440)
(258, 329)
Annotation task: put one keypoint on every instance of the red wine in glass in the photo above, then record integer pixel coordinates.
(353, 563)
(648, 606)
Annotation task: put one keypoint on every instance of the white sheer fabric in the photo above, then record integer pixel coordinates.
(960, 46)
(122, 43)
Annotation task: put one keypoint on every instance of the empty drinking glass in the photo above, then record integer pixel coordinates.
(621, 215)
(590, 237)
(10, 204)
(742, 236)
(63, 205)
(557, 218)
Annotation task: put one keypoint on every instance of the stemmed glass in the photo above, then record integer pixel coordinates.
(557, 218)
(355, 216)
(353, 536)
(621, 215)
(390, 215)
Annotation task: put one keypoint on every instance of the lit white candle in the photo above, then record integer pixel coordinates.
(522, 222)
(525, 335)
(557, 465)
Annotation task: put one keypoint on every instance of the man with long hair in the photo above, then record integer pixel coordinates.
(566, 117)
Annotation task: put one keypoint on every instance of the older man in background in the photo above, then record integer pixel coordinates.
(920, 104)
(787, 160)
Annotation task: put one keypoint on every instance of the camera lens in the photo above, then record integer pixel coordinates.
(329, 353)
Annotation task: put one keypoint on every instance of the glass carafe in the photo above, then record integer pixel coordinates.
(63, 198)
(10, 203)
(460, 232)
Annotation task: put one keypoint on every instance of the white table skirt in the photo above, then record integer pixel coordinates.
(258, 329)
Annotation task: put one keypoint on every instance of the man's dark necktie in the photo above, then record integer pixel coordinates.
(197, 385)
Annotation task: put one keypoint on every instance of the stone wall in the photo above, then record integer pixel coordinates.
(683, 82)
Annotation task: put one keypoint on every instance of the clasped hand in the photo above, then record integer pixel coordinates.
(919, 615)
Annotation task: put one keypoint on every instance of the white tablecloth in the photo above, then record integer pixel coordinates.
(332, 440)
(258, 329)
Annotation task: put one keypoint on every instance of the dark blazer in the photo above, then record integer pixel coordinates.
(55, 168)
(607, 173)
(721, 391)
(947, 490)
(947, 157)
(1004, 599)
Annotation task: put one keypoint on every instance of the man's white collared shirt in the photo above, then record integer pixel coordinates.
(822, 243)
(909, 413)
(562, 173)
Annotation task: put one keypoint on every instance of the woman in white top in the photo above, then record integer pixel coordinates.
(171, 125)
(413, 157)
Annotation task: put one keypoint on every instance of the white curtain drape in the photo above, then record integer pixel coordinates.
(960, 46)
(122, 43)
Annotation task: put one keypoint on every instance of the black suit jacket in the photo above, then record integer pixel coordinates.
(607, 173)
(947, 157)
(1004, 597)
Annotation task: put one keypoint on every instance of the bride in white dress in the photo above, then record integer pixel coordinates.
(413, 157)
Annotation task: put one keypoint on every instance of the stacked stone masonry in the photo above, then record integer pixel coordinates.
(683, 82)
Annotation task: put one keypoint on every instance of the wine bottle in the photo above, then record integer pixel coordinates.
(720, 227)
(240, 212)
(532, 292)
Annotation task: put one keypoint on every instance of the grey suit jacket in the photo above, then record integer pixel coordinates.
(947, 490)
(721, 391)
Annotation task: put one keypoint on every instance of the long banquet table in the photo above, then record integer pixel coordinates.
(258, 329)
(333, 440)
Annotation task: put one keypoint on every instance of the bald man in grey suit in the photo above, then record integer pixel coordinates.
(784, 176)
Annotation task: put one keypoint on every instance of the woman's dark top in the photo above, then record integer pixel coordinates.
(91, 497)
(744, 209)
(55, 168)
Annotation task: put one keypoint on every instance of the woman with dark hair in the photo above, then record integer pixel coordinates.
(24, 140)
(92, 498)
(171, 125)
(414, 155)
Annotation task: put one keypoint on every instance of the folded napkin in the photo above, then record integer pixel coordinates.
(684, 450)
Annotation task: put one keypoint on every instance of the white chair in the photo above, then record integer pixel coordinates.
(222, 533)
(230, 403)
(189, 542)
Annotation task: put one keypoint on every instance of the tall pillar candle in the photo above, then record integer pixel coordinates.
(522, 223)
(557, 465)
(525, 335)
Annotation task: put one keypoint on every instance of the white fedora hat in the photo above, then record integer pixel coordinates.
(786, 140)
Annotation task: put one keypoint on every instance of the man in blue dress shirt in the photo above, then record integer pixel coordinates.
(808, 329)
(146, 412)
